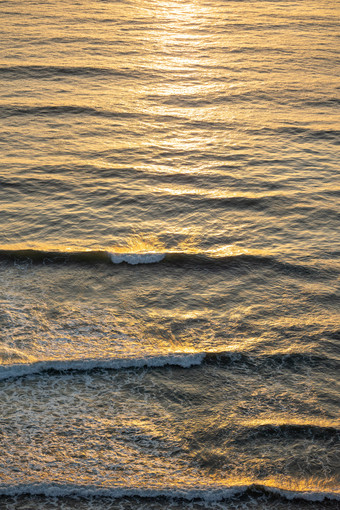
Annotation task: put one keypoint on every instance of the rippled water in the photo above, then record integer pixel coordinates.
(169, 255)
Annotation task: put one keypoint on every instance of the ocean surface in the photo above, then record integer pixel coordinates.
(169, 255)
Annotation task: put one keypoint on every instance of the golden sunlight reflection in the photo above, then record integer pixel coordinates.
(139, 243)
(168, 301)
(212, 193)
(281, 420)
(183, 34)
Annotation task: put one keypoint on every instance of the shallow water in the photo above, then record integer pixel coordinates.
(169, 255)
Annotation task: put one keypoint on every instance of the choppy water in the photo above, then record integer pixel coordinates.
(169, 255)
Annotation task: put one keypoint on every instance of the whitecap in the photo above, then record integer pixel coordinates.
(136, 258)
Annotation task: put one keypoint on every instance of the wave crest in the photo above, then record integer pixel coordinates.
(214, 259)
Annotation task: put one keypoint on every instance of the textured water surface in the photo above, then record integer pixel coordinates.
(169, 255)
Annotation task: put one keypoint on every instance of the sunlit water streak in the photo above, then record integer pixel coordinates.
(169, 255)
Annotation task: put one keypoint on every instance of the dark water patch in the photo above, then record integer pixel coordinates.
(270, 432)
(332, 192)
(288, 431)
(320, 134)
(5, 183)
(300, 133)
(60, 110)
(235, 202)
(212, 447)
(247, 262)
(290, 361)
(54, 257)
(331, 253)
(38, 111)
(195, 101)
(329, 102)
(259, 49)
(325, 298)
(334, 335)
(54, 72)
(88, 41)
(36, 185)
(318, 213)
(257, 96)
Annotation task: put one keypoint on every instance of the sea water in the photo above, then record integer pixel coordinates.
(169, 255)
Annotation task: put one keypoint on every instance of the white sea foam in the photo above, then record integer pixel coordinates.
(184, 360)
(204, 494)
(50, 490)
(136, 258)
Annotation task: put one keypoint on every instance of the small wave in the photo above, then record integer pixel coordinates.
(196, 101)
(209, 259)
(313, 134)
(329, 102)
(300, 132)
(205, 495)
(174, 199)
(53, 110)
(75, 110)
(48, 72)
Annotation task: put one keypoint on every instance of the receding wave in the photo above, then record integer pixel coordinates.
(179, 359)
(244, 261)
(205, 495)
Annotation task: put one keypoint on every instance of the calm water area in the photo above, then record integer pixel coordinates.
(169, 255)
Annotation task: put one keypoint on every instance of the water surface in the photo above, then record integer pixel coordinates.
(169, 255)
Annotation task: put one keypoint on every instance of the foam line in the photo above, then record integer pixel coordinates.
(137, 258)
(203, 494)
(184, 360)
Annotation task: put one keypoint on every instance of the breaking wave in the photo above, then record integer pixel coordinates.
(84, 365)
(205, 495)
(184, 360)
(177, 258)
